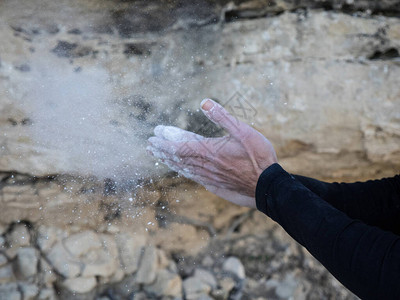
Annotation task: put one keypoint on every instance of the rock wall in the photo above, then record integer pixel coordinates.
(85, 213)
(321, 84)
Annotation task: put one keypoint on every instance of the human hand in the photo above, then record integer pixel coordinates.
(228, 166)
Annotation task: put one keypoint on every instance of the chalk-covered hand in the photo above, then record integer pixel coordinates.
(228, 166)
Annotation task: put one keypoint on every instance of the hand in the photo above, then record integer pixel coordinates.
(228, 166)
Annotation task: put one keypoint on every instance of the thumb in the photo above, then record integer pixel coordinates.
(220, 116)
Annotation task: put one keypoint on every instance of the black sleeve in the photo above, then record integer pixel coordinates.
(375, 202)
(364, 258)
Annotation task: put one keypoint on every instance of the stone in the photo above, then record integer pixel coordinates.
(47, 275)
(260, 43)
(193, 287)
(101, 261)
(227, 284)
(166, 284)
(234, 265)
(116, 277)
(220, 294)
(3, 229)
(19, 236)
(207, 261)
(29, 291)
(103, 265)
(46, 294)
(163, 260)
(6, 274)
(10, 291)
(47, 237)
(61, 260)
(287, 288)
(203, 297)
(206, 277)
(26, 262)
(3, 260)
(80, 243)
(2, 242)
(129, 249)
(146, 273)
(79, 284)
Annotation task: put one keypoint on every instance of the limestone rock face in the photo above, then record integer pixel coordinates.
(322, 85)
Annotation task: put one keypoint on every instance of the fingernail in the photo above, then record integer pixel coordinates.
(206, 104)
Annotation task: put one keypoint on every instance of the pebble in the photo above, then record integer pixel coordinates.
(227, 284)
(46, 294)
(129, 248)
(62, 261)
(193, 287)
(234, 265)
(80, 284)
(3, 260)
(146, 273)
(18, 237)
(46, 237)
(10, 291)
(6, 274)
(166, 284)
(26, 262)
(81, 243)
(29, 291)
(206, 277)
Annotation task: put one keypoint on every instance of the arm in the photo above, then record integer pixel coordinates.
(364, 258)
(375, 202)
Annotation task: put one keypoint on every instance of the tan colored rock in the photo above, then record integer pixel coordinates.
(46, 294)
(18, 237)
(80, 284)
(263, 58)
(29, 291)
(10, 291)
(146, 273)
(3, 260)
(163, 260)
(234, 266)
(63, 262)
(166, 284)
(47, 275)
(206, 277)
(6, 274)
(26, 262)
(129, 249)
(47, 236)
(193, 287)
(80, 243)
(226, 284)
(102, 262)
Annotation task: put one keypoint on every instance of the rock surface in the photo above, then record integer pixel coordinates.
(26, 262)
(302, 76)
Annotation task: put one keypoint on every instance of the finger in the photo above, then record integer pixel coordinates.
(197, 163)
(164, 145)
(220, 116)
(193, 173)
(213, 177)
(156, 153)
(172, 133)
(187, 148)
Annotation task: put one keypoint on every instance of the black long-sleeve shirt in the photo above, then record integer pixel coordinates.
(350, 228)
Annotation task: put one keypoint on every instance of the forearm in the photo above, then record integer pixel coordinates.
(364, 258)
(375, 202)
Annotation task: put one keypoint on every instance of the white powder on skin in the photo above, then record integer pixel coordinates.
(175, 134)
